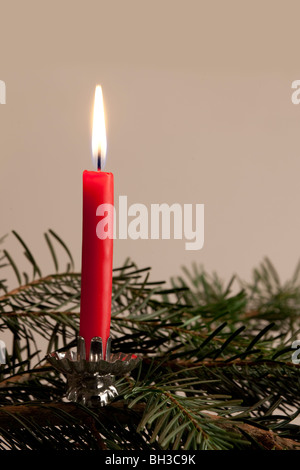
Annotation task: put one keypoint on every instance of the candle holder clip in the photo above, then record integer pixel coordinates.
(92, 382)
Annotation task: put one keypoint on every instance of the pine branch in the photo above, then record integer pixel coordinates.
(20, 417)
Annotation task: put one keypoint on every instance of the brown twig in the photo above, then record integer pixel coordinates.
(45, 414)
(267, 439)
(40, 313)
(12, 417)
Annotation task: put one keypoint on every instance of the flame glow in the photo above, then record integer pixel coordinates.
(99, 143)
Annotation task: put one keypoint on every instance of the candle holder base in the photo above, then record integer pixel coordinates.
(92, 382)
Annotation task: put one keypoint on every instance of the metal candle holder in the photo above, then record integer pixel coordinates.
(91, 382)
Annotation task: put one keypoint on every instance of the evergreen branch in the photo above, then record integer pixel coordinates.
(205, 350)
(20, 417)
(37, 282)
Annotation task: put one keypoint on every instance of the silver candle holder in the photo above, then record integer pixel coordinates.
(92, 382)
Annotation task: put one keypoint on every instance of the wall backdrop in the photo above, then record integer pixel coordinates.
(198, 111)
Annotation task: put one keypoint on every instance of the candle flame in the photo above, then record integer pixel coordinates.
(99, 143)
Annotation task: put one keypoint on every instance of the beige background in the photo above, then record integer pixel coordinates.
(199, 110)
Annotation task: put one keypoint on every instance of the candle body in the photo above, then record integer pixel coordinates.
(97, 259)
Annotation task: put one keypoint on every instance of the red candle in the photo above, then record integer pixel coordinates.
(97, 239)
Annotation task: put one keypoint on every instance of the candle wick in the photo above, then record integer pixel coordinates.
(99, 162)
